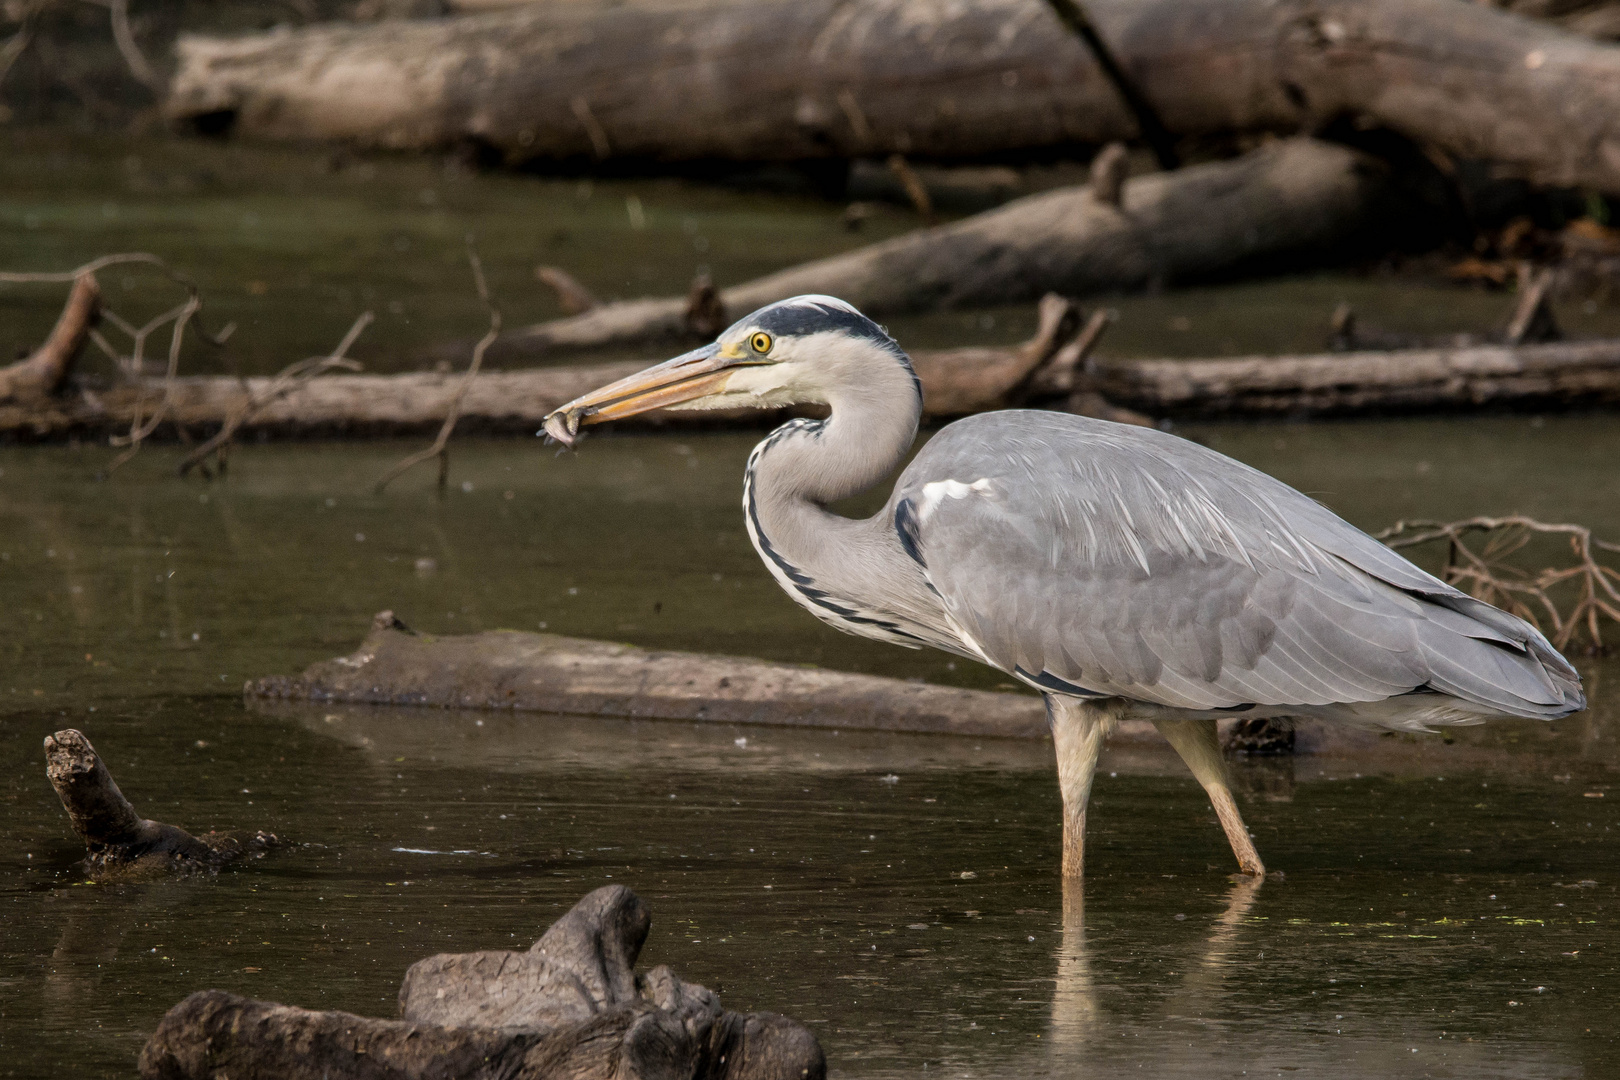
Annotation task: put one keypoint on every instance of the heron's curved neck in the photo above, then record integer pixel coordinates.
(804, 465)
(869, 430)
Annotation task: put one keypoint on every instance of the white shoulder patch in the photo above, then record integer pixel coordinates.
(937, 492)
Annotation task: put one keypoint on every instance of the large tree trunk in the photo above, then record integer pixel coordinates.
(793, 80)
(1293, 200)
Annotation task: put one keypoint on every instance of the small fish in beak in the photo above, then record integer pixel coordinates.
(563, 427)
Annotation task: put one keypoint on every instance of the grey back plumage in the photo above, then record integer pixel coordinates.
(1097, 559)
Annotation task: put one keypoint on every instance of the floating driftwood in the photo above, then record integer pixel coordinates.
(597, 79)
(550, 673)
(570, 1008)
(1292, 200)
(121, 843)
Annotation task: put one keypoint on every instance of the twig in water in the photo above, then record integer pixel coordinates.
(1485, 575)
(290, 378)
(440, 445)
(138, 431)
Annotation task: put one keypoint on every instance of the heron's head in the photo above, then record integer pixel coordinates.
(805, 350)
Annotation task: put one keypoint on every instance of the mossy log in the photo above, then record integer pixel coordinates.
(570, 1008)
(797, 80)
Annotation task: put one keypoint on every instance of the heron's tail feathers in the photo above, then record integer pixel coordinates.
(1495, 661)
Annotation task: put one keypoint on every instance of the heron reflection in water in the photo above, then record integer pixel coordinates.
(1121, 571)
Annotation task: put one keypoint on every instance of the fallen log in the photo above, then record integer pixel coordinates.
(570, 1008)
(796, 80)
(551, 673)
(524, 674)
(121, 844)
(1288, 203)
(1584, 374)
(955, 382)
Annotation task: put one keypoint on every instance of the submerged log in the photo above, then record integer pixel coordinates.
(570, 1008)
(793, 80)
(550, 673)
(1291, 201)
(121, 843)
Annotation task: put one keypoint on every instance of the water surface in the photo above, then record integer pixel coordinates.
(1447, 910)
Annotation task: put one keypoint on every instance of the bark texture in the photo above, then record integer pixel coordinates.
(121, 843)
(1290, 202)
(570, 1008)
(1558, 375)
(790, 80)
(505, 669)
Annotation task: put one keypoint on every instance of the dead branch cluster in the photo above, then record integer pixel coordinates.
(34, 380)
(1563, 601)
(86, 311)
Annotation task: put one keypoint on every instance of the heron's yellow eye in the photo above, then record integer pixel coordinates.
(760, 343)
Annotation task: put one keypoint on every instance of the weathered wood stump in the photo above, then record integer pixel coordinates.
(570, 1008)
(121, 843)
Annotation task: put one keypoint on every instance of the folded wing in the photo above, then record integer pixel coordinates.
(1093, 558)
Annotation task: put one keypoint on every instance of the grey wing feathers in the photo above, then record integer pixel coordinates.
(1124, 561)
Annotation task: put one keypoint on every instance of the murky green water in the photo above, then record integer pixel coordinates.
(900, 894)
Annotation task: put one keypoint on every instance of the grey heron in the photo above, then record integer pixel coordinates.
(1120, 571)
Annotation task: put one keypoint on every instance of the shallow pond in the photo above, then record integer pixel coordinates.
(898, 893)
(1447, 909)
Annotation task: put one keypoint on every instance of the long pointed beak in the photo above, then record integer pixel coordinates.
(688, 376)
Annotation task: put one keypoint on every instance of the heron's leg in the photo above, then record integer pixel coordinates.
(1078, 731)
(1196, 742)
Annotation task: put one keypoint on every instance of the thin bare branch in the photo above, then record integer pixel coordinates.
(138, 430)
(440, 445)
(124, 37)
(1589, 590)
(287, 380)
